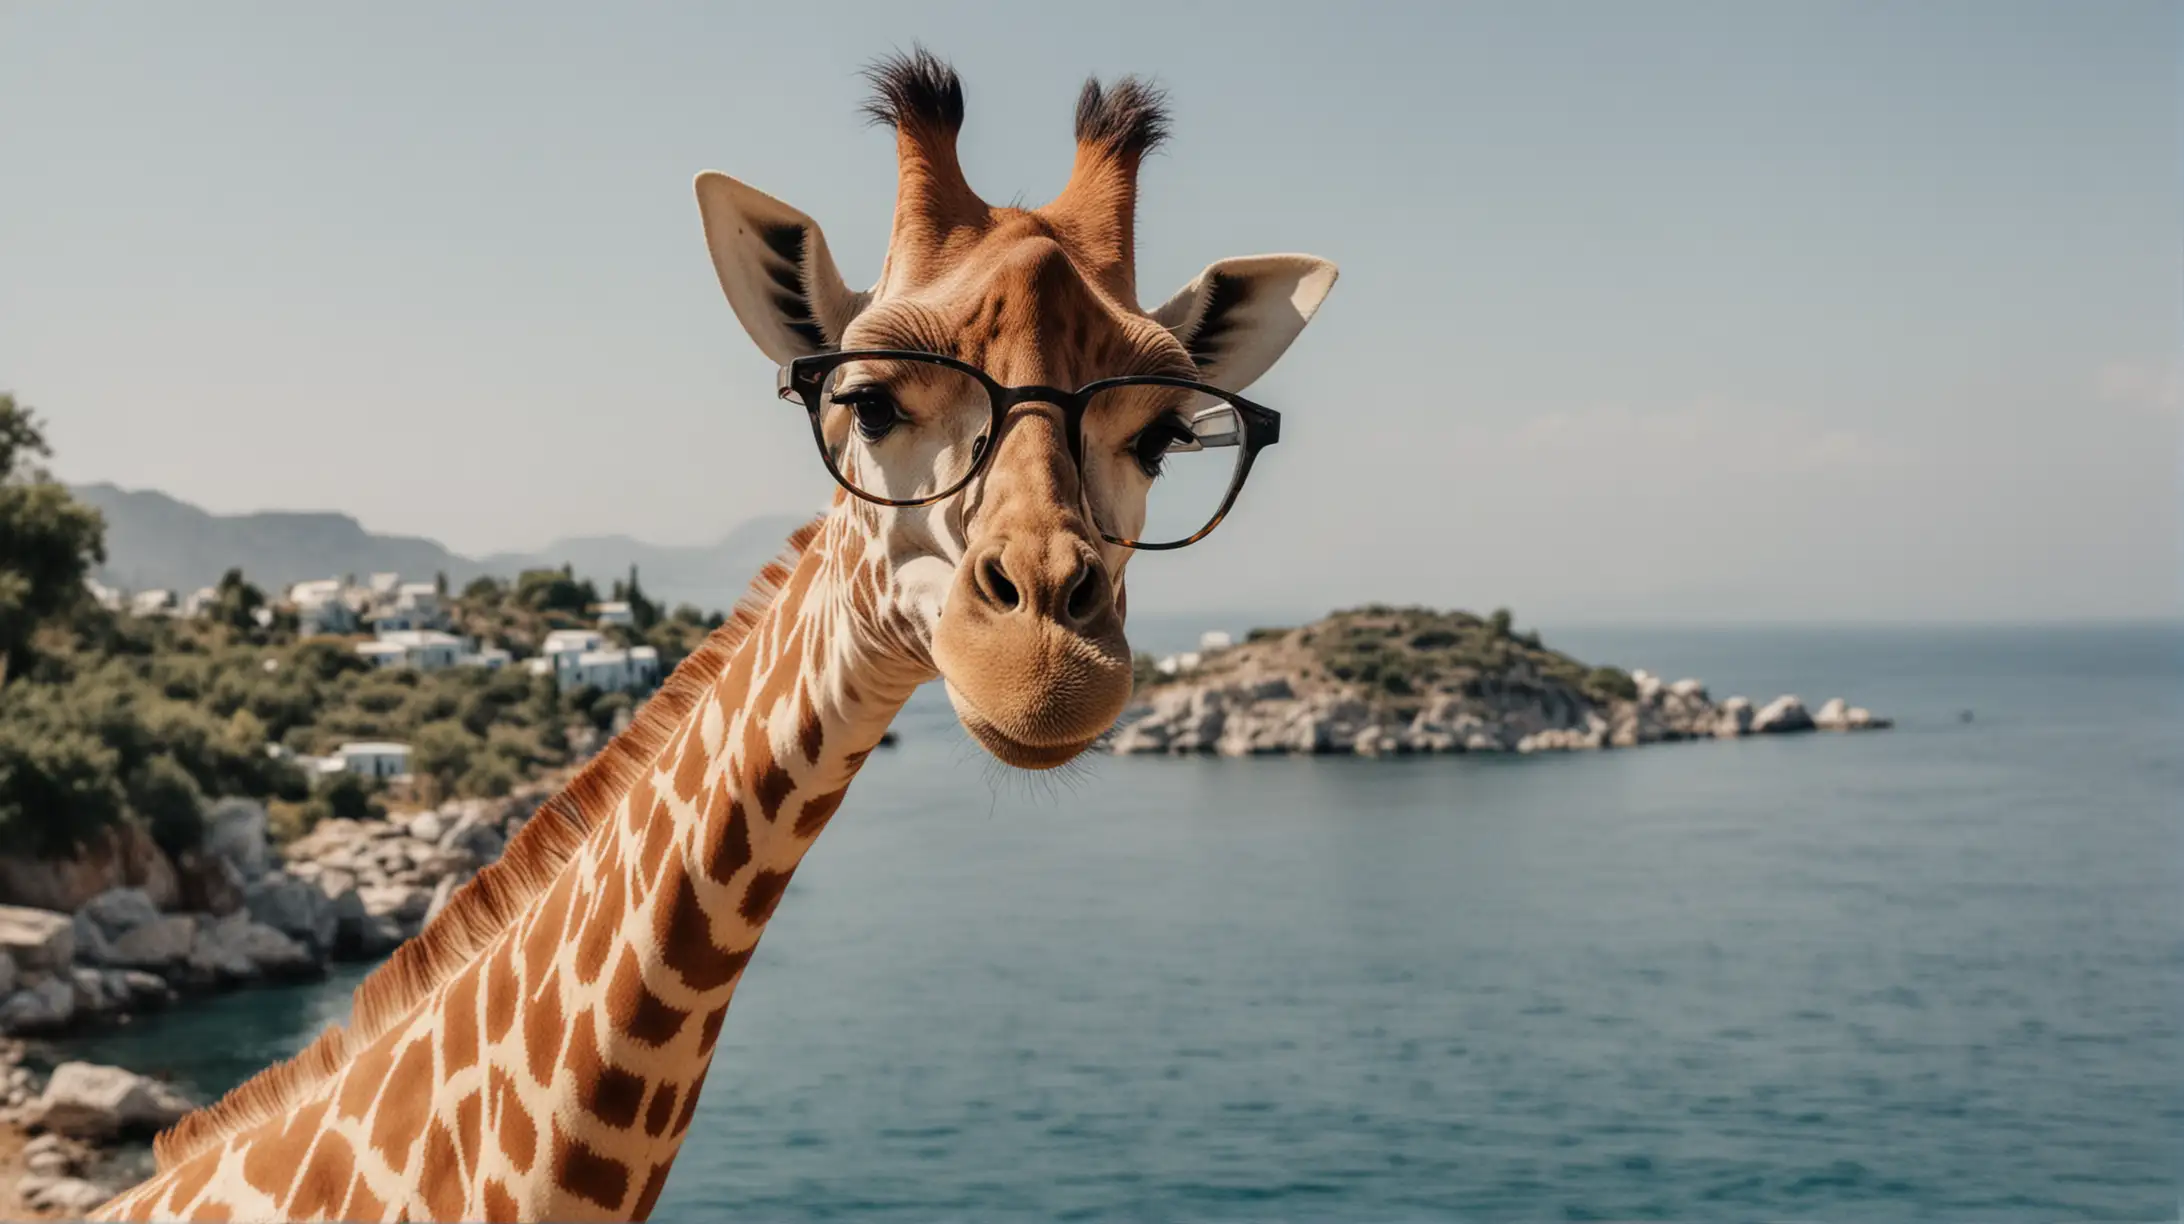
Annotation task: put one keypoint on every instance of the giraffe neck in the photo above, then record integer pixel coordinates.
(683, 883)
(555, 1075)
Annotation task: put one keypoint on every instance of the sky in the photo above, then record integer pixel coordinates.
(1701, 313)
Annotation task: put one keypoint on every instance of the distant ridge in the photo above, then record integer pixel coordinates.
(154, 540)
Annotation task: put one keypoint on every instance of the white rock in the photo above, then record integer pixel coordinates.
(67, 1196)
(435, 862)
(90, 987)
(402, 902)
(52, 1162)
(426, 826)
(1783, 714)
(1734, 718)
(137, 986)
(90, 1101)
(1833, 715)
(37, 939)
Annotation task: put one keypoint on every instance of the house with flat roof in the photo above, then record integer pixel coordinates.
(423, 649)
(369, 758)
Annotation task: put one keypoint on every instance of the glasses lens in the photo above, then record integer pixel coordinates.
(1160, 460)
(903, 430)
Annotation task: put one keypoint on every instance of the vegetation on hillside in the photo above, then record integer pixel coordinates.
(108, 717)
(1395, 657)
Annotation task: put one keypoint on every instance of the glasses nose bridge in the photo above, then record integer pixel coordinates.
(1070, 403)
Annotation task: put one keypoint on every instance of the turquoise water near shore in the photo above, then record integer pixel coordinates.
(1935, 973)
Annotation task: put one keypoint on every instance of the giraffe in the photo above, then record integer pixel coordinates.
(537, 1051)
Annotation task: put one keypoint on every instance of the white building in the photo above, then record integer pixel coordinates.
(382, 654)
(423, 649)
(615, 612)
(370, 759)
(104, 596)
(383, 585)
(414, 605)
(572, 641)
(157, 602)
(321, 608)
(1177, 664)
(421, 598)
(577, 657)
(634, 669)
(1214, 639)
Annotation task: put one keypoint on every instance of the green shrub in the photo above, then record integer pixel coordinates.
(57, 788)
(166, 798)
(1612, 682)
(345, 796)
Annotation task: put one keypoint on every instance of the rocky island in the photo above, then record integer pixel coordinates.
(1382, 681)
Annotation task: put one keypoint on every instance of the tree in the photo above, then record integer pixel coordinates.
(1501, 622)
(56, 788)
(546, 590)
(236, 602)
(643, 613)
(48, 540)
(440, 751)
(167, 800)
(346, 797)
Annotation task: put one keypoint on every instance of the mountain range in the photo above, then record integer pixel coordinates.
(154, 540)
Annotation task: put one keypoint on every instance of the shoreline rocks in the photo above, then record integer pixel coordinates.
(348, 891)
(74, 1138)
(1520, 711)
(234, 912)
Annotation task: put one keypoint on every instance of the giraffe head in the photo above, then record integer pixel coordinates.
(1009, 583)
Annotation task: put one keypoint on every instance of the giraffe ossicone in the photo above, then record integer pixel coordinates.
(537, 1052)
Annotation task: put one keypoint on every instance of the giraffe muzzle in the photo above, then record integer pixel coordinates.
(1032, 648)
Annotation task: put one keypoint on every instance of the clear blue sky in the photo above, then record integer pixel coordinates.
(1659, 311)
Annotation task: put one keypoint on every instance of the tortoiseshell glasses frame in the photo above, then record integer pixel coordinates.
(804, 380)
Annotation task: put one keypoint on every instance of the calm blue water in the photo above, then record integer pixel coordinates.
(1930, 974)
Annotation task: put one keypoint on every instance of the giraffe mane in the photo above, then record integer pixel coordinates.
(499, 894)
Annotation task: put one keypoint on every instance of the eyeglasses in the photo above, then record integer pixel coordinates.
(1160, 459)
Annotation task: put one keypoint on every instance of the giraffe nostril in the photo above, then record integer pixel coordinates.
(1084, 596)
(996, 583)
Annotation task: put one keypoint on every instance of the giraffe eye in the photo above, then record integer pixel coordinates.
(1150, 447)
(875, 411)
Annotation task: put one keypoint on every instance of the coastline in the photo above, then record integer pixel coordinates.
(1380, 681)
(347, 892)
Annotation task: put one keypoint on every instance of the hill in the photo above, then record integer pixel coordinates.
(1379, 681)
(154, 540)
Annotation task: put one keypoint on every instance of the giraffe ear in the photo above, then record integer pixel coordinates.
(775, 268)
(1240, 315)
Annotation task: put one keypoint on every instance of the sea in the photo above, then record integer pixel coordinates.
(1935, 973)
